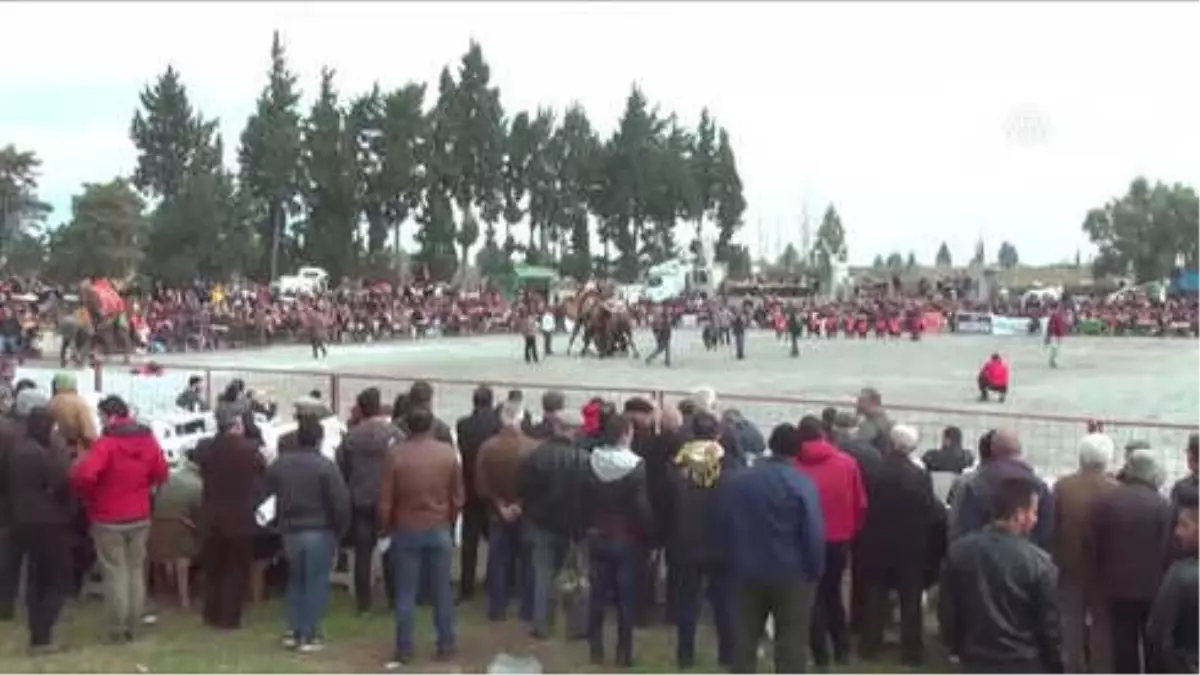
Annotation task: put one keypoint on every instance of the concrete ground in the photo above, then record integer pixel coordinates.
(1147, 388)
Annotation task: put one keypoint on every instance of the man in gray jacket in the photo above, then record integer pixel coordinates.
(313, 511)
(360, 457)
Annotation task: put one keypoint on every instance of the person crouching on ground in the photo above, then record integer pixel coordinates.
(993, 377)
(114, 479)
(312, 506)
(420, 498)
(619, 518)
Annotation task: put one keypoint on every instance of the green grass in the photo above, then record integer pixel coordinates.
(180, 643)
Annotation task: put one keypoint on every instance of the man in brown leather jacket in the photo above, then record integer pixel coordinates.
(419, 499)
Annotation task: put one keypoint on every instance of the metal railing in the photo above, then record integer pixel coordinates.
(1049, 441)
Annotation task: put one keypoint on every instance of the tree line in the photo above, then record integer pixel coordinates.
(338, 184)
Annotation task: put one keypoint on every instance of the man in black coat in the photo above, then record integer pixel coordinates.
(231, 472)
(895, 547)
(43, 512)
(473, 430)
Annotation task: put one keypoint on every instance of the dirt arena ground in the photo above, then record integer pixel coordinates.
(1146, 388)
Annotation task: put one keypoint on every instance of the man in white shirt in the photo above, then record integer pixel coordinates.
(546, 325)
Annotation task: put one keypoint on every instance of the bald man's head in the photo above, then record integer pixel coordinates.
(1006, 444)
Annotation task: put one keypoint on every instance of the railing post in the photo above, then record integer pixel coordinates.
(208, 386)
(659, 399)
(97, 376)
(335, 394)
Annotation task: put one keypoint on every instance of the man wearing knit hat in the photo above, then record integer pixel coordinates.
(1130, 541)
(71, 413)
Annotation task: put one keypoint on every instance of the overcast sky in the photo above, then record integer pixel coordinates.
(921, 123)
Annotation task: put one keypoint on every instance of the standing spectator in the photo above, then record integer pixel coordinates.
(420, 395)
(970, 510)
(552, 484)
(697, 558)
(773, 528)
(361, 457)
(496, 486)
(231, 474)
(552, 425)
(192, 398)
(844, 508)
(951, 457)
(1190, 481)
(312, 507)
(419, 500)
(71, 413)
(996, 608)
(1171, 632)
(1132, 537)
(473, 430)
(12, 431)
(875, 425)
(36, 482)
(618, 520)
(896, 546)
(1079, 596)
(114, 479)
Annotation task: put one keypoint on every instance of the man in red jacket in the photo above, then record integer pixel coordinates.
(844, 506)
(114, 480)
(993, 376)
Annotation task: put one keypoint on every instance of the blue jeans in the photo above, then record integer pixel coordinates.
(411, 551)
(688, 578)
(310, 560)
(505, 549)
(613, 572)
(546, 553)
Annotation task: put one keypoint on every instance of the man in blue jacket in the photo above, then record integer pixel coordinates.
(775, 534)
(971, 507)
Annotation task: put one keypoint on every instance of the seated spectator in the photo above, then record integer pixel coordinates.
(174, 542)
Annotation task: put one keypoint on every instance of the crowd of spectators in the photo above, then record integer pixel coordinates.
(1097, 573)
